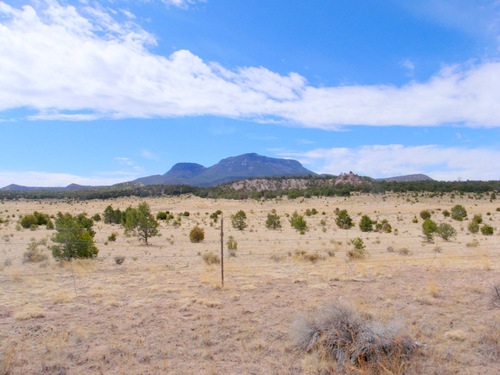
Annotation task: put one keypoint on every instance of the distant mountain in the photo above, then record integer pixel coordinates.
(229, 169)
(180, 174)
(33, 188)
(407, 178)
(236, 168)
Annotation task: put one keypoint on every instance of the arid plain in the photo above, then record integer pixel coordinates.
(164, 310)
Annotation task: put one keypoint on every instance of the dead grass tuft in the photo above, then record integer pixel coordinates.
(489, 343)
(30, 311)
(7, 355)
(344, 335)
(210, 258)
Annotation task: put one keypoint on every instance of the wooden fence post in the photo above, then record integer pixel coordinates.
(222, 250)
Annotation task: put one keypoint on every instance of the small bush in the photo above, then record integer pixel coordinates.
(197, 234)
(311, 257)
(232, 246)
(349, 338)
(429, 227)
(446, 213)
(34, 254)
(28, 221)
(162, 215)
(210, 258)
(343, 220)
(273, 220)
(446, 231)
(425, 214)
(49, 225)
(239, 220)
(404, 251)
(298, 222)
(215, 216)
(358, 251)
(487, 230)
(119, 260)
(366, 224)
(473, 227)
(112, 237)
(96, 217)
(458, 212)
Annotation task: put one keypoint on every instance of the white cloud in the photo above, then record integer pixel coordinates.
(409, 66)
(149, 155)
(440, 163)
(47, 179)
(80, 63)
(182, 3)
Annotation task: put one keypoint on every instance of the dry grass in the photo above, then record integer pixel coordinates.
(164, 310)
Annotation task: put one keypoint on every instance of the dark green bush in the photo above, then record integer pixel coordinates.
(197, 234)
(343, 220)
(458, 212)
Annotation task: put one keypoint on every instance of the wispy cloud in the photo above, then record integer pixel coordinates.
(149, 155)
(182, 3)
(60, 59)
(409, 66)
(441, 163)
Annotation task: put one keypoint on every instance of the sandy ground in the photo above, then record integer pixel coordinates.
(164, 311)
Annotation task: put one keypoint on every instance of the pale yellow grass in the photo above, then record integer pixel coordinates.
(165, 311)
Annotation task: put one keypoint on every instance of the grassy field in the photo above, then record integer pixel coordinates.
(164, 310)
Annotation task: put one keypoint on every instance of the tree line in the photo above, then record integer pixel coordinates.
(317, 188)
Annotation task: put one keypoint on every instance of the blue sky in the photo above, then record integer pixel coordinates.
(100, 92)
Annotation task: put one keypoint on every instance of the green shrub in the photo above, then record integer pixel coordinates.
(96, 217)
(162, 215)
(477, 218)
(28, 221)
(359, 249)
(298, 222)
(446, 231)
(429, 227)
(487, 230)
(215, 216)
(197, 234)
(273, 220)
(74, 237)
(239, 220)
(49, 225)
(111, 216)
(112, 237)
(473, 227)
(140, 221)
(366, 224)
(425, 214)
(458, 212)
(446, 213)
(343, 220)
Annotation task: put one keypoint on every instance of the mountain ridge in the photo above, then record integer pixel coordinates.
(234, 168)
